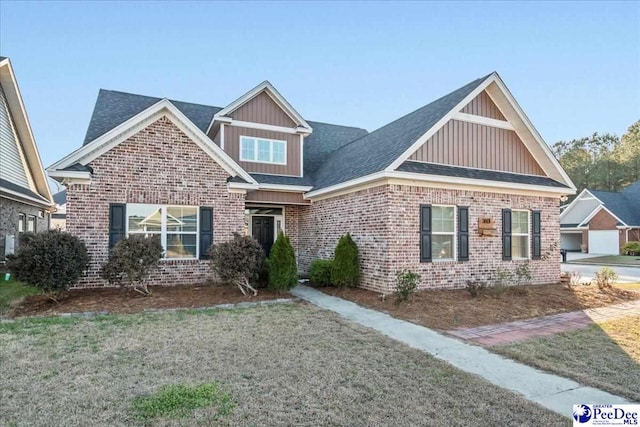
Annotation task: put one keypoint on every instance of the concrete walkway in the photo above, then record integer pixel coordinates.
(555, 393)
(521, 330)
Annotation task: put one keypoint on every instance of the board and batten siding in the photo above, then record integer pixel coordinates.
(477, 146)
(276, 197)
(482, 105)
(11, 159)
(232, 148)
(262, 109)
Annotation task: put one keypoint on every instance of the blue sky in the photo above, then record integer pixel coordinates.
(573, 67)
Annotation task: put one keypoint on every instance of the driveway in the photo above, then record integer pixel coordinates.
(588, 272)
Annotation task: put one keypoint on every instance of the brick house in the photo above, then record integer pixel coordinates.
(601, 222)
(25, 199)
(453, 190)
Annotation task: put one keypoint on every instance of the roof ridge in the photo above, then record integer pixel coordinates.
(157, 97)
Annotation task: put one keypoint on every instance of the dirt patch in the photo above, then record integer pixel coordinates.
(451, 309)
(116, 300)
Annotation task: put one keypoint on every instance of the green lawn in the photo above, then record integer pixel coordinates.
(626, 260)
(278, 365)
(12, 292)
(605, 356)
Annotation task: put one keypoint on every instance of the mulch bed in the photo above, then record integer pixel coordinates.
(451, 309)
(115, 300)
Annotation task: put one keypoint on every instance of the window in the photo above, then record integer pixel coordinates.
(519, 234)
(22, 223)
(443, 232)
(31, 223)
(262, 150)
(175, 226)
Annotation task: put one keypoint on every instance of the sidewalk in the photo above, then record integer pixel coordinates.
(550, 391)
(547, 325)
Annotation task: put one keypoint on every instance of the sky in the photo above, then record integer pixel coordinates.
(573, 67)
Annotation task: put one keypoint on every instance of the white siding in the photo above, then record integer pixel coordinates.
(579, 211)
(11, 165)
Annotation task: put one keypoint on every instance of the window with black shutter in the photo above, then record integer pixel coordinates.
(536, 240)
(117, 223)
(206, 231)
(506, 234)
(425, 233)
(463, 233)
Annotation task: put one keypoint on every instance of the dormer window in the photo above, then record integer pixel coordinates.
(262, 150)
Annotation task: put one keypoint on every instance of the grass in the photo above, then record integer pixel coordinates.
(626, 260)
(605, 355)
(279, 365)
(178, 401)
(628, 286)
(12, 292)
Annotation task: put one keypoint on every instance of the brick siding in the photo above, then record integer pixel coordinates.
(10, 209)
(158, 165)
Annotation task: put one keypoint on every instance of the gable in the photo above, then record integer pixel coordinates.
(579, 209)
(482, 105)
(12, 165)
(474, 145)
(262, 109)
(603, 220)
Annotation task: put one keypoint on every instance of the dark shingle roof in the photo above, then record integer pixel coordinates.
(78, 167)
(572, 225)
(625, 204)
(24, 191)
(113, 108)
(375, 151)
(444, 170)
(60, 198)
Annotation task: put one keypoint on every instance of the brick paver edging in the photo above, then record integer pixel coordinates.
(90, 314)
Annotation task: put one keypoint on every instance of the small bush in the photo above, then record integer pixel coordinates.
(52, 261)
(523, 274)
(631, 248)
(406, 284)
(346, 263)
(320, 272)
(131, 261)
(237, 261)
(501, 279)
(476, 288)
(575, 278)
(605, 278)
(282, 267)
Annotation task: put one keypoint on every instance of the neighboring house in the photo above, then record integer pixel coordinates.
(454, 190)
(601, 222)
(25, 199)
(59, 217)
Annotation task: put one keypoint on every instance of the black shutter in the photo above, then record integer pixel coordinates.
(506, 234)
(536, 243)
(425, 233)
(206, 231)
(117, 223)
(463, 233)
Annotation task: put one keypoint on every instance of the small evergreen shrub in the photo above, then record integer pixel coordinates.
(476, 288)
(282, 267)
(346, 263)
(605, 278)
(52, 261)
(320, 272)
(238, 261)
(131, 261)
(631, 248)
(406, 285)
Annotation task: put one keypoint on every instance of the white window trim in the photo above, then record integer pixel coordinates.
(22, 218)
(163, 229)
(255, 150)
(527, 234)
(32, 218)
(454, 234)
(276, 218)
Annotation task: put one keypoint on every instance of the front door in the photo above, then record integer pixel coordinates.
(262, 231)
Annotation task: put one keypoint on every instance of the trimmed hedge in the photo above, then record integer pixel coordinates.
(346, 263)
(320, 272)
(631, 248)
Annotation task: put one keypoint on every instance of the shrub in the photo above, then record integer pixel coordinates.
(237, 261)
(320, 272)
(282, 267)
(500, 280)
(476, 288)
(52, 261)
(523, 274)
(605, 278)
(631, 248)
(346, 263)
(406, 284)
(132, 260)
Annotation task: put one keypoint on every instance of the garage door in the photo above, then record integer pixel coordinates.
(604, 242)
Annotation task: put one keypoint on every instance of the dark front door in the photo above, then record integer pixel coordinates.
(262, 230)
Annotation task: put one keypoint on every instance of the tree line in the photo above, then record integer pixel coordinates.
(603, 162)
